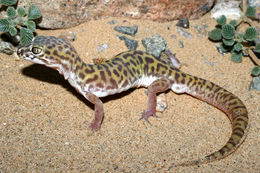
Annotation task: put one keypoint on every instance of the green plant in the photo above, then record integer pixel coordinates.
(256, 71)
(238, 43)
(20, 21)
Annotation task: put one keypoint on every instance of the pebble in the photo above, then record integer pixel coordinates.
(161, 104)
(173, 36)
(102, 47)
(130, 44)
(184, 33)
(112, 22)
(255, 84)
(70, 36)
(206, 61)
(181, 44)
(154, 44)
(127, 29)
(201, 30)
(183, 22)
(7, 48)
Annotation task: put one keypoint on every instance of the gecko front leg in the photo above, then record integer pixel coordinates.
(99, 110)
(157, 86)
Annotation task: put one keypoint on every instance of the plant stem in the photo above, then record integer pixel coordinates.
(253, 57)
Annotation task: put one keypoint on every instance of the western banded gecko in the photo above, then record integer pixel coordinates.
(135, 69)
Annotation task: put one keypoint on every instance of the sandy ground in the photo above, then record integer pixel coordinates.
(42, 117)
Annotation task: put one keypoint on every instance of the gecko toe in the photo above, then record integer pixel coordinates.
(146, 115)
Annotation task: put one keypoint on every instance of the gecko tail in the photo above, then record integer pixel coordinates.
(227, 102)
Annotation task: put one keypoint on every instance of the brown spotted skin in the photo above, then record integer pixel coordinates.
(134, 69)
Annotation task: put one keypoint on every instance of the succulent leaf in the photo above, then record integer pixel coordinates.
(233, 23)
(228, 31)
(250, 11)
(26, 36)
(11, 13)
(221, 20)
(8, 2)
(4, 25)
(255, 71)
(228, 42)
(21, 12)
(225, 48)
(238, 47)
(34, 12)
(215, 34)
(250, 34)
(257, 48)
(12, 31)
(236, 57)
(240, 37)
(31, 25)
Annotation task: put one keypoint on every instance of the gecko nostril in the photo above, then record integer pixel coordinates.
(20, 52)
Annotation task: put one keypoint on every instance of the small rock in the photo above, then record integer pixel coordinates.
(174, 36)
(127, 29)
(154, 45)
(206, 61)
(161, 104)
(255, 84)
(102, 47)
(183, 22)
(6, 47)
(219, 49)
(230, 9)
(112, 22)
(201, 30)
(181, 44)
(130, 44)
(184, 33)
(70, 36)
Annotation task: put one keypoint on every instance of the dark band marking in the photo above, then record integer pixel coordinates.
(92, 79)
(140, 59)
(125, 83)
(116, 73)
(103, 76)
(89, 69)
(149, 60)
(99, 85)
(81, 75)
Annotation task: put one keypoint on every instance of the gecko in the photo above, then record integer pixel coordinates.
(133, 69)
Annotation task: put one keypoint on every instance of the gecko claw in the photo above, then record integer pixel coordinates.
(146, 115)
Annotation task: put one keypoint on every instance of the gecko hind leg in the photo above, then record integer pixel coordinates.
(99, 110)
(157, 86)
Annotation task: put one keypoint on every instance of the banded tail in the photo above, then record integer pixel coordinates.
(230, 104)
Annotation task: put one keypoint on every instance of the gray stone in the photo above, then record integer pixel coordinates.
(102, 47)
(127, 29)
(154, 44)
(130, 44)
(6, 47)
(184, 33)
(255, 84)
(183, 22)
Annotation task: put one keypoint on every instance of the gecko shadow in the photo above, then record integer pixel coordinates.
(46, 74)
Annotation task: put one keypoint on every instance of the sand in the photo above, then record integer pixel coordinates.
(42, 117)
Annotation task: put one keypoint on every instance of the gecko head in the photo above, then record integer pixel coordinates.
(48, 50)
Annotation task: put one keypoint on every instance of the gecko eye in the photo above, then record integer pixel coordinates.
(36, 50)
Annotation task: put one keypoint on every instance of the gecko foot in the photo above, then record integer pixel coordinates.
(94, 126)
(147, 114)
